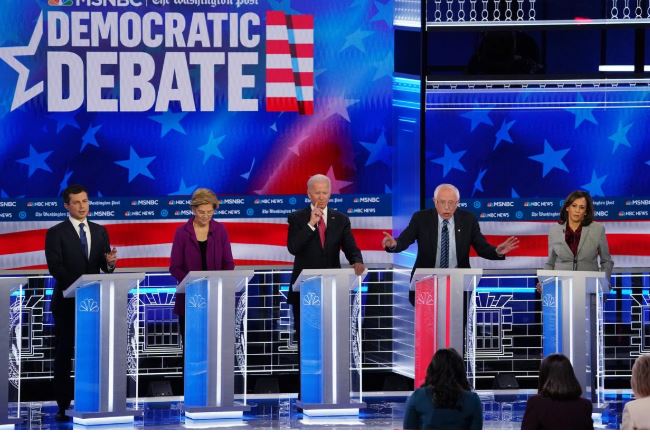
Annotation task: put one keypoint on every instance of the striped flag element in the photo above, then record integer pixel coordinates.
(289, 62)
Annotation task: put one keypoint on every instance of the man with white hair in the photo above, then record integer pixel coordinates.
(444, 235)
(317, 234)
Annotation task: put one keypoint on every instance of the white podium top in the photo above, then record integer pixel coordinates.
(331, 273)
(121, 279)
(12, 282)
(570, 274)
(421, 273)
(210, 275)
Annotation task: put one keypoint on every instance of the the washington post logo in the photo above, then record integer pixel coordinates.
(289, 62)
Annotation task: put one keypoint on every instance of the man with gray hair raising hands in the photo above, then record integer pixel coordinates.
(444, 235)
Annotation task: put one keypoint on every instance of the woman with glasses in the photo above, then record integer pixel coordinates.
(201, 244)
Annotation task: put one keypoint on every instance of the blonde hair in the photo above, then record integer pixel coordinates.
(641, 377)
(203, 196)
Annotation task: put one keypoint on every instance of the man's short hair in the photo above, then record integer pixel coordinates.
(317, 178)
(446, 185)
(75, 188)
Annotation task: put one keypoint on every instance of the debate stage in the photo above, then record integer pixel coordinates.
(502, 410)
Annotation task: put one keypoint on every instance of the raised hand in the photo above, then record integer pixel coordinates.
(388, 241)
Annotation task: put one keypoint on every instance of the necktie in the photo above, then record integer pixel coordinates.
(444, 245)
(321, 231)
(84, 240)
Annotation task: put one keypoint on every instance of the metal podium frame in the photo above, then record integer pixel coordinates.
(439, 314)
(565, 332)
(210, 298)
(105, 295)
(333, 310)
(7, 285)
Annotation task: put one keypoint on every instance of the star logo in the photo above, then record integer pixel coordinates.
(8, 54)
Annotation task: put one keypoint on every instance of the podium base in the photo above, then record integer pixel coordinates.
(103, 418)
(9, 423)
(330, 409)
(216, 412)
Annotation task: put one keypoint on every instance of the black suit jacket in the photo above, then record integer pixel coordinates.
(65, 259)
(423, 228)
(304, 243)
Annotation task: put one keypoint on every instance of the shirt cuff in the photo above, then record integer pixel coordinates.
(311, 227)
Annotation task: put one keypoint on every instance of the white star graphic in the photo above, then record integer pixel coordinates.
(9, 54)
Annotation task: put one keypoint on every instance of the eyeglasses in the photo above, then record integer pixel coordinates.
(447, 203)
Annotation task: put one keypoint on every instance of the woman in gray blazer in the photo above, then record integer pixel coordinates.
(576, 242)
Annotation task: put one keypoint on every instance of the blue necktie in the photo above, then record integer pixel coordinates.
(84, 240)
(444, 245)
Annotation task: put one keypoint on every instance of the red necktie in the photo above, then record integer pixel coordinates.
(321, 231)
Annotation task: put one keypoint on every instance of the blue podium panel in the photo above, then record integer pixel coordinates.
(87, 359)
(101, 347)
(210, 317)
(311, 345)
(196, 343)
(572, 322)
(325, 341)
(552, 314)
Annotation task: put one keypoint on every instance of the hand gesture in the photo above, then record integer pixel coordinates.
(388, 241)
(359, 268)
(508, 245)
(315, 217)
(111, 257)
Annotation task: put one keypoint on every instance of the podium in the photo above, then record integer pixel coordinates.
(100, 348)
(7, 285)
(210, 343)
(568, 321)
(325, 342)
(439, 313)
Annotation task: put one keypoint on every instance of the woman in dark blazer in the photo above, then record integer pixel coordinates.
(445, 401)
(557, 405)
(576, 242)
(201, 244)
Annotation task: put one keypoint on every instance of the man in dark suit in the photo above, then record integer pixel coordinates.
(317, 234)
(73, 247)
(433, 230)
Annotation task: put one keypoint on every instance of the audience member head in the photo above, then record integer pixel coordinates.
(641, 377)
(446, 375)
(583, 208)
(557, 379)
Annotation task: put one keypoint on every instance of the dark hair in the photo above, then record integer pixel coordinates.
(446, 375)
(557, 379)
(589, 215)
(75, 188)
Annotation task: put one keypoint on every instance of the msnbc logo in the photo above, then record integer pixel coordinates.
(59, 2)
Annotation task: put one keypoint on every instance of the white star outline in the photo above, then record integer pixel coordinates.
(9, 54)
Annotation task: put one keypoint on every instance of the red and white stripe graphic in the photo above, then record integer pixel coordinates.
(262, 242)
(289, 62)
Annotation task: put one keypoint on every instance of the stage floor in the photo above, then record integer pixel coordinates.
(502, 411)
